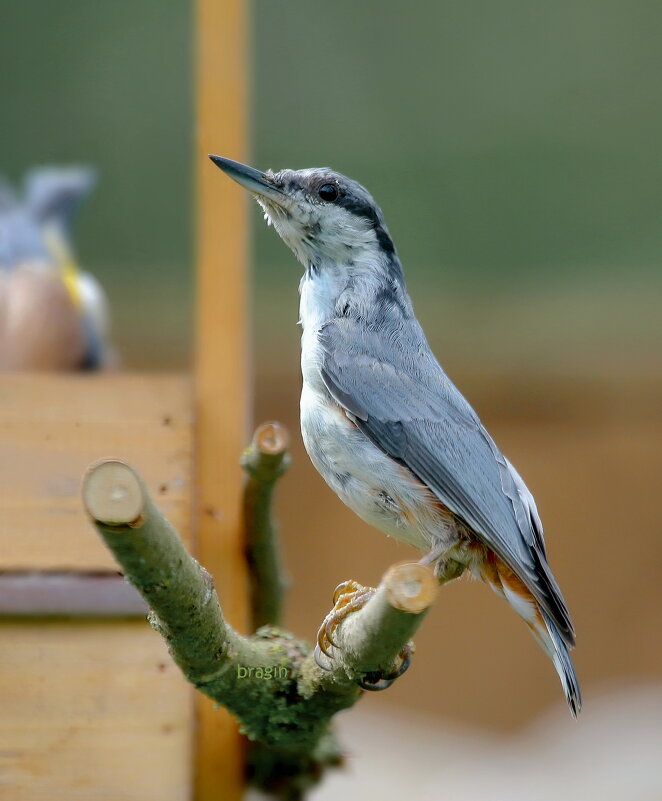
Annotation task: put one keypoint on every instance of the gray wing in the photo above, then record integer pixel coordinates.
(53, 194)
(387, 378)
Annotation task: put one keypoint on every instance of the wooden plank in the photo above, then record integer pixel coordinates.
(92, 711)
(52, 427)
(222, 356)
(69, 594)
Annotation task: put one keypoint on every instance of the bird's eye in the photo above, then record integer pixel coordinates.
(328, 192)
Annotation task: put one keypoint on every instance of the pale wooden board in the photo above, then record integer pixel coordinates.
(53, 426)
(92, 711)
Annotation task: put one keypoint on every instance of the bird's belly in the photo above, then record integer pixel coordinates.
(379, 490)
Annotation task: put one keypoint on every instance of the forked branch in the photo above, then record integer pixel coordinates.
(291, 713)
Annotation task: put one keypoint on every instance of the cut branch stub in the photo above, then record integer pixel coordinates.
(112, 493)
(154, 559)
(271, 438)
(267, 456)
(410, 587)
(265, 460)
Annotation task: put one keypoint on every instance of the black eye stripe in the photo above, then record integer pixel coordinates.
(368, 211)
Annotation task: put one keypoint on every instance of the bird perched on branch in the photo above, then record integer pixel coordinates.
(383, 423)
(53, 316)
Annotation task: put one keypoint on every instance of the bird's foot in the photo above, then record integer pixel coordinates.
(445, 567)
(348, 597)
(381, 681)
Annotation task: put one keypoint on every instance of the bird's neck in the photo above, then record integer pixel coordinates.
(319, 291)
(329, 291)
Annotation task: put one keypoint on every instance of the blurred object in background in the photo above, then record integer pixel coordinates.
(53, 316)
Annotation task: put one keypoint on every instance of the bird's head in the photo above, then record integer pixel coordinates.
(322, 216)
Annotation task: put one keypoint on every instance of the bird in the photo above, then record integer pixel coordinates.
(382, 422)
(53, 315)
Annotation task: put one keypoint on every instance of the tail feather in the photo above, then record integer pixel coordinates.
(564, 667)
(509, 586)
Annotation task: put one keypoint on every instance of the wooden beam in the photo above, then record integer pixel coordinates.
(222, 358)
(69, 595)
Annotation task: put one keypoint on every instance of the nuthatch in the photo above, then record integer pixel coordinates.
(383, 423)
(53, 316)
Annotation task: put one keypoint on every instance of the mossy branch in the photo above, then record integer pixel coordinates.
(290, 713)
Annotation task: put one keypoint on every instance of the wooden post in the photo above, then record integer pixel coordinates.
(222, 359)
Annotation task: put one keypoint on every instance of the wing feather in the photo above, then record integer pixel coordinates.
(404, 402)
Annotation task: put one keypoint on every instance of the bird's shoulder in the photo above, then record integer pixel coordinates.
(387, 361)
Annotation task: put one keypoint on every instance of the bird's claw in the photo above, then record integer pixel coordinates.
(348, 597)
(378, 681)
(318, 659)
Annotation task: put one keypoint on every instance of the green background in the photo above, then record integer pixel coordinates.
(514, 147)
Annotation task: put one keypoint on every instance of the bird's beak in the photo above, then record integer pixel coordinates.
(251, 179)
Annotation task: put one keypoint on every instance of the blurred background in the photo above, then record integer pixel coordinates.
(515, 151)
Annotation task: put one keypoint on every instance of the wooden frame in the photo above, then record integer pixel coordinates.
(222, 358)
(185, 434)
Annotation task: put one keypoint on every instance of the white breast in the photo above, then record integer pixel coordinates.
(374, 486)
(377, 488)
